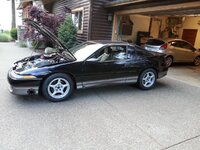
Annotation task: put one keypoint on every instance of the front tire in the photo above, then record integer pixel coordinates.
(147, 79)
(197, 61)
(58, 87)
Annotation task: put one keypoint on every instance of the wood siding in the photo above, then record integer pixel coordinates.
(58, 8)
(101, 28)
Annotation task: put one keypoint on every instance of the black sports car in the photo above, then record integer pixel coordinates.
(59, 71)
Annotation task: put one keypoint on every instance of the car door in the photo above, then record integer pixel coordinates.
(179, 51)
(133, 65)
(189, 51)
(98, 71)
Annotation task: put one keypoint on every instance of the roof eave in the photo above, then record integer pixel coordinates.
(23, 3)
(122, 3)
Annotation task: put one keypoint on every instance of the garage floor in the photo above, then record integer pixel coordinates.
(185, 73)
(116, 117)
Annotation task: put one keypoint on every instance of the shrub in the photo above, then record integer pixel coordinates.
(67, 33)
(4, 37)
(13, 33)
(22, 44)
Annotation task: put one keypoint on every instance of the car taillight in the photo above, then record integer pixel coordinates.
(164, 46)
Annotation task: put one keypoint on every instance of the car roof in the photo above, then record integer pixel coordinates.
(169, 39)
(105, 42)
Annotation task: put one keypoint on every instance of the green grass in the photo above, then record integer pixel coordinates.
(5, 37)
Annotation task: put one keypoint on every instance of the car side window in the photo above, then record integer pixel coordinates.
(175, 44)
(111, 53)
(118, 52)
(188, 46)
(182, 44)
(130, 52)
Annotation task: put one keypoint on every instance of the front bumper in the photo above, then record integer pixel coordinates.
(23, 86)
(23, 90)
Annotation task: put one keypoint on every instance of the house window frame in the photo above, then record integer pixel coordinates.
(77, 10)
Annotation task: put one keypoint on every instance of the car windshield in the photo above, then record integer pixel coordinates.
(83, 51)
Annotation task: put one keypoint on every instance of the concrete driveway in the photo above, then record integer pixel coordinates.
(116, 117)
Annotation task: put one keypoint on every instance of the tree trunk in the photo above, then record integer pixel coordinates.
(13, 14)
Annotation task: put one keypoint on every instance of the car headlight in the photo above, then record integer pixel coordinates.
(17, 76)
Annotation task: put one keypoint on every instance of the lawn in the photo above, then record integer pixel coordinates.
(5, 37)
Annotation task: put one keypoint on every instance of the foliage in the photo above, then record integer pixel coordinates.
(22, 44)
(67, 33)
(13, 33)
(5, 37)
(51, 21)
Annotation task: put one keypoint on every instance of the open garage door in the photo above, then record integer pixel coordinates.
(157, 19)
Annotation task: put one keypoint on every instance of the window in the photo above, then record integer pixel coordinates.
(175, 44)
(110, 53)
(77, 17)
(182, 44)
(187, 46)
(130, 52)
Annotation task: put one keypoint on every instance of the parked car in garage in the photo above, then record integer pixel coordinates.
(176, 50)
(59, 71)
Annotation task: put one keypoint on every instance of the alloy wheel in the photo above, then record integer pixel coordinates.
(197, 61)
(58, 88)
(148, 79)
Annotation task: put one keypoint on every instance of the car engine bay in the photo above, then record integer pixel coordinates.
(50, 56)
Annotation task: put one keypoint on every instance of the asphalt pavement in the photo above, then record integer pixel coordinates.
(107, 118)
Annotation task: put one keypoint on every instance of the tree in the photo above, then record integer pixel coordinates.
(67, 33)
(13, 14)
(49, 20)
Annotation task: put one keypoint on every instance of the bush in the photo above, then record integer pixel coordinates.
(4, 37)
(67, 33)
(22, 44)
(13, 33)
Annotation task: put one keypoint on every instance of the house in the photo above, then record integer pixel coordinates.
(91, 17)
(24, 6)
(131, 20)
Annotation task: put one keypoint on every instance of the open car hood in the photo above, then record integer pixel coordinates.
(47, 33)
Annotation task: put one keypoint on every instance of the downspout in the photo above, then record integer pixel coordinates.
(89, 36)
(118, 28)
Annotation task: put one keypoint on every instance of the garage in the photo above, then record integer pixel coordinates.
(135, 21)
(139, 20)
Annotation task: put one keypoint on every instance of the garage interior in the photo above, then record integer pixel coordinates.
(136, 21)
(181, 26)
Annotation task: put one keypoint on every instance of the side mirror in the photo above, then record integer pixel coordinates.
(92, 59)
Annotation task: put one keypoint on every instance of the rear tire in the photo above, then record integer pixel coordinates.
(58, 87)
(169, 61)
(197, 61)
(147, 79)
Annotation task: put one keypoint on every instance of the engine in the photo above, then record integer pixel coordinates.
(48, 58)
